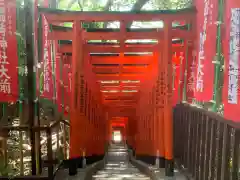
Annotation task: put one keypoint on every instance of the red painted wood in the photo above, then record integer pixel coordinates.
(100, 16)
(144, 117)
(67, 48)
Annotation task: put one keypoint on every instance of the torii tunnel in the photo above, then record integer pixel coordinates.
(131, 82)
(122, 100)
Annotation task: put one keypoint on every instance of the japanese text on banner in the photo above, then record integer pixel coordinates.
(46, 58)
(48, 81)
(5, 86)
(191, 77)
(234, 52)
(201, 54)
(8, 51)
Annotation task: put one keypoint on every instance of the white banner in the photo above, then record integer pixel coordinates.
(234, 49)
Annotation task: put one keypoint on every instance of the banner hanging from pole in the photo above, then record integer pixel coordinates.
(63, 84)
(59, 81)
(48, 82)
(191, 74)
(47, 62)
(206, 31)
(67, 83)
(177, 60)
(8, 52)
(231, 90)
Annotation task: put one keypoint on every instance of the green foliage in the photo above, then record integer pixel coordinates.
(123, 5)
(170, 4)
(80, 5)
(5, 171)
(119, 5)
(60, 154)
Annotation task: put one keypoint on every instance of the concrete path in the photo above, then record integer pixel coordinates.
(117, 166)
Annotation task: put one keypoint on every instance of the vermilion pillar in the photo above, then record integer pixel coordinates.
(152, 124)
(139, 134)
(159, 118)
(75, 122)
(168, 122)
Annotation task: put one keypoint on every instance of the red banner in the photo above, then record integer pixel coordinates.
(59, 82)
(178, 59)
(231, 95)
(207, 30)
(191, 74)
(63, 83)
(47, 62)
(8, 52)
(67, 85)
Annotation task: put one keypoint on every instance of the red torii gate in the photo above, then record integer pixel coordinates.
(158, 115)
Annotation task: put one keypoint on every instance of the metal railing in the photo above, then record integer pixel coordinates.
(206, 144)
(51, 145)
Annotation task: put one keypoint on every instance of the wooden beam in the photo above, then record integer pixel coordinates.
(54, 15)
(114, 104)
(116, 94)
(113, 109)
(120, 101)
(158, 34)
(121, 114)
(117, 36)
(122, 77)
(67, 35)
(121, 106)
(119, 88)
(120, 95)
(124, 112)
(145, 60)
(117, 49)
(118, 84)
(60, 35)
(125, 69)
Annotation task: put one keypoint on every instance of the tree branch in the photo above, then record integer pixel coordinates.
(107, 8)
(137, 7)
(80, 5)
(71, 3)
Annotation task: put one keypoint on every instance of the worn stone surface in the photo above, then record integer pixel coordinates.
(161, 175)
(117, 167)
(63, 175)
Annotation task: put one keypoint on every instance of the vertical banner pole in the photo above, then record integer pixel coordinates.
(185, 71)
(3, 109)
(21, 74)
(62, 82)
(36, 90)
(28, 7)
(218, 59)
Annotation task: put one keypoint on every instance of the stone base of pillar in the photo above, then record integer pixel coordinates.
(160, 162)
(169, 167)
(146, 158)
(73, 166)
